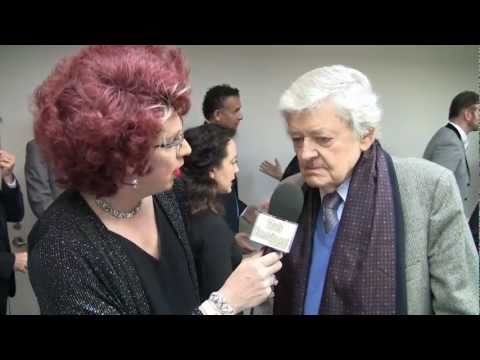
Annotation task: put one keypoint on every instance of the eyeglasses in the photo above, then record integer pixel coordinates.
(177, 143)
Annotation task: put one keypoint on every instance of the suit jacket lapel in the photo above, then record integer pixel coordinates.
(455, 130)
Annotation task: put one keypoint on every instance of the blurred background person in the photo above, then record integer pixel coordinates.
(11, 210)
(222, 106)
(208, 172)
(40, 180)
(448, 147)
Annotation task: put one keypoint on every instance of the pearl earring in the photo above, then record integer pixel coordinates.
(133, 183)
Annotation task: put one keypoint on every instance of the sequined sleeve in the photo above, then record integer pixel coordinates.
(66, 283)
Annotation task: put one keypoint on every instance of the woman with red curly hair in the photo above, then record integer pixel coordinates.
(109, 122)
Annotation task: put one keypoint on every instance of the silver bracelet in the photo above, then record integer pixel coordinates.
(217, 299)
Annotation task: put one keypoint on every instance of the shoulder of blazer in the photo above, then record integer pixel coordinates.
(455, 131)
(418, 165)
(67, 215)
(414, 171)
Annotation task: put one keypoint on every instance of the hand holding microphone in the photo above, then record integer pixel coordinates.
(251, 282)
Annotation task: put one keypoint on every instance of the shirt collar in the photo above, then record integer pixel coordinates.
(463, 136)
(342, 190)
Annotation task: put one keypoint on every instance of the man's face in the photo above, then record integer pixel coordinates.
(327, 149)
(230, 114)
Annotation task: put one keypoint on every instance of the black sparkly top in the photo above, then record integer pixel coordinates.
(165, 280)
(214, 250)
(77, 266)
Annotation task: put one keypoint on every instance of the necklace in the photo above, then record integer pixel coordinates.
(119, 214)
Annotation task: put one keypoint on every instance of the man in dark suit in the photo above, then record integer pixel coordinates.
(41, 186)
(449, 145)
(222, 106)
(11, 209)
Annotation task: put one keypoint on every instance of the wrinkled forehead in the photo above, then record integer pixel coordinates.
(320, 118)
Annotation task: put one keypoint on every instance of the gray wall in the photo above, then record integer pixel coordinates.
(415, 85)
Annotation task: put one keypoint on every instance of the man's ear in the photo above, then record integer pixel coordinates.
(367, 140)
(468, 114)
(217, 115)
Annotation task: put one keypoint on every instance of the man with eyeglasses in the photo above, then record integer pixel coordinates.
(448, 147)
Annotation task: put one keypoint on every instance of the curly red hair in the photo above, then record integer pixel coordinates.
(98, 112)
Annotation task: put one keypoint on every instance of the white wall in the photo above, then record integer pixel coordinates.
(415, 84)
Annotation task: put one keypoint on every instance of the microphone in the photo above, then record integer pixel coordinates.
(277, 229)
(286, 202)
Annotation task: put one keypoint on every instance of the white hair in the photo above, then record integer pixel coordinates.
(349, 89)
(165, 108)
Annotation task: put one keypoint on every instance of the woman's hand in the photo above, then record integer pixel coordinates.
(252, 281)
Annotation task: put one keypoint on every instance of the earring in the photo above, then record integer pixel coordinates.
(133, 183)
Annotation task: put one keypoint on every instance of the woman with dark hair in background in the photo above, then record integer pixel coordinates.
(209, 171)
(109, 122)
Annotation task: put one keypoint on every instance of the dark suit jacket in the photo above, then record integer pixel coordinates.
(231, 203)
(292, 168)
(41, 186)
(214, 249)
(11, 210)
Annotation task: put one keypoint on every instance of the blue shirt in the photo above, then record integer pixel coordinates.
(322, 249)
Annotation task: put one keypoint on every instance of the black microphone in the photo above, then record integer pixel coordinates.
(286, 202)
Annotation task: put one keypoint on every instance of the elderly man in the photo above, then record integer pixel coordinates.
(377, 235)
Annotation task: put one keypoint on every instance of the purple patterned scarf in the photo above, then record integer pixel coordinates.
(365, 272)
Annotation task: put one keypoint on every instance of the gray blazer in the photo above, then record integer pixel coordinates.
(41, 186)
(446, 149)
(441, 262)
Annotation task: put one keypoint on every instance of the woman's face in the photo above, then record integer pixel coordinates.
(165, 161)
(225, 173)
